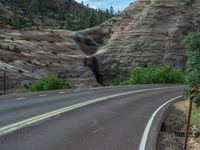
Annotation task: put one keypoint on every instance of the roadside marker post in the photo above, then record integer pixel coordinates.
(3, 80)
(4, 83)
(192, 95)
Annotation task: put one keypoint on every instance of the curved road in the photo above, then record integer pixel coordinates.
(111, 118)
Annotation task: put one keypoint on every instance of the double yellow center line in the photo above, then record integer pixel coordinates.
(27, 122)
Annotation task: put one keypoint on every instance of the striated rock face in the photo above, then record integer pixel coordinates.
(147, 33)
(28, 55)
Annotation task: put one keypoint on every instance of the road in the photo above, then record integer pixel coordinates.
(111, 118)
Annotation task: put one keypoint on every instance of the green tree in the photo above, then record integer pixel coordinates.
(112, 11)
(69, 23)
(61, 12)
(37, 7)
(85, 19)
(107, 14)
(100, 16)
(82, 22)
(92, 19)
(192, 42)
(23, 4)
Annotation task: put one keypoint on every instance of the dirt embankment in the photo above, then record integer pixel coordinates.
(175, 121)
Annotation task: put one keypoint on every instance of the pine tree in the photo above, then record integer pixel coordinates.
(112, 11)
(92, 19)
(107, 14)
(100, 17)
(61, 12)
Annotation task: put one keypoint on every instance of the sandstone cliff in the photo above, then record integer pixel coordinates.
(28, 55)
(147, 33)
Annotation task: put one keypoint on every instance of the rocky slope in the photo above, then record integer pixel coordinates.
(147, 33)
(28, 55)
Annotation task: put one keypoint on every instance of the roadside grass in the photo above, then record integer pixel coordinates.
(179, 119)
(50, 82)
(151, 75)
(195, 117)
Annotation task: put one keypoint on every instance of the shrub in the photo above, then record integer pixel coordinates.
(192, 42)
(50, 82)
(153, 75)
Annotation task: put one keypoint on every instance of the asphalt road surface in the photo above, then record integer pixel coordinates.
(111, 118)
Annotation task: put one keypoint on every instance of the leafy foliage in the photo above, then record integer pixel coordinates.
(192, 42)
(161, 74)
(50, 82)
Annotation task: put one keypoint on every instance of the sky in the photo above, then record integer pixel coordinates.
(103, 4)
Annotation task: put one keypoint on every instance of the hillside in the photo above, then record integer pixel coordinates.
(54, 14)
(28, 55)
(146, 33)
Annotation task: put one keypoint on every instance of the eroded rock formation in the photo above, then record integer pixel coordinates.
(28, 55)
(147, 33)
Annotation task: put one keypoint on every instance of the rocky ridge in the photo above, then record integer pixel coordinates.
(147, 33)
(28, 55)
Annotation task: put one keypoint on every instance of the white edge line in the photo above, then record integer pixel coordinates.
(42, 95)
(27, 122)
(61, 92)
(77, 90)
(150, 122)
(20, 98)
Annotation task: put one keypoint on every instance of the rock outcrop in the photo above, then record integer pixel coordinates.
(28, 55)
(147, 33)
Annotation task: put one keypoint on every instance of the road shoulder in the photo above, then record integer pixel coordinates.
(175, 121)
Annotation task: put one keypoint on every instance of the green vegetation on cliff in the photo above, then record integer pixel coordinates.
(151, 75)
(49, 14)
(192, 42)
(50, 82)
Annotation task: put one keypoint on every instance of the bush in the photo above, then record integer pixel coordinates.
(153, 75)
(50, 82)
(192, 42)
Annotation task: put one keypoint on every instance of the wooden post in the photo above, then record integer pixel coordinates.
(189, 117)
(4, 83)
